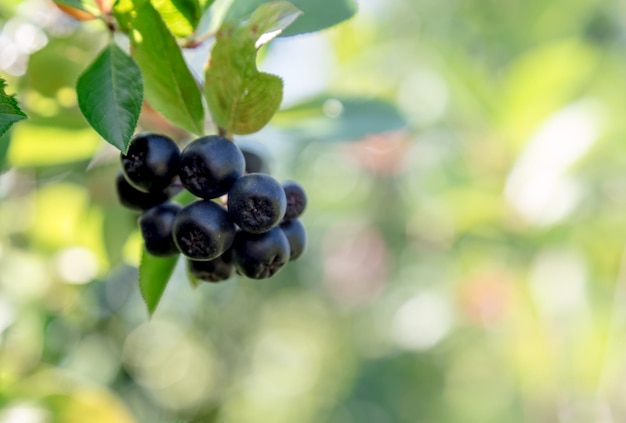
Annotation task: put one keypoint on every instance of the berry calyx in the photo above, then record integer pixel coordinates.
(256, 203)
(151, 163)
(210, 165)
(156, 229)
(260, 256)
(296, 199)
(296, 235)
(203, 230)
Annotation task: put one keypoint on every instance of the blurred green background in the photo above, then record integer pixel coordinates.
(469, 268)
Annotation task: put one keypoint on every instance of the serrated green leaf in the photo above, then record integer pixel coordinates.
(110, 93)
(180, 16)
(154, 274)
(169, 85)
(317, 14)
(242, 100)
(88, 6)
(5, 142)
(330, 118)
(10, 112)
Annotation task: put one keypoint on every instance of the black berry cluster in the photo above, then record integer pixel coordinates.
(254, 231)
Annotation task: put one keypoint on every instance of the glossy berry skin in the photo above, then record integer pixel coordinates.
(256, 203)
(260, 256)
(210, 165)
(254, 162)
(203, 230)
(132, 198)
(296, 235)
(296, 199)
(219, 269)
(156, 229)
(151, 163)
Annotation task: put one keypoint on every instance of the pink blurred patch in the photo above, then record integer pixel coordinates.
(356, 264)
(383, 154)
(486, 298)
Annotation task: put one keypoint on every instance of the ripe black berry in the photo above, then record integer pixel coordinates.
(203, 230)
(256, 202)
(260, 256)
(134, 199)
(296, 235)
(216, 270)
(156, 229)
(210, 165)
(254, 162)
(296, 199)
(151, 162)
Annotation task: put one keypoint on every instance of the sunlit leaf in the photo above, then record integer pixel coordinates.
(88, 6)
(169, 85)
(205, 4)
(317, 14)
(340, 119)
(180, 16)
(10, 112)
(241, 99)
(271, 19)
(31, 145)
(154, 274)
(110, 93)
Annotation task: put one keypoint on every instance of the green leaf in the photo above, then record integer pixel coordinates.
(340, 118)
(110, 93)
(205, 4)
(180, 16)
(242, 100)
(271, 19)
(169, 85)
(193, 281)
(10, 112)
(317, 14)
(154, 274)
(88, 6)
(124, 10)
(5, 142)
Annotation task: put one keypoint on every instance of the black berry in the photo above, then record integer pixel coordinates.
(256, 202)
(296, 235)
(156, 229)
(203, 230)
(151, 162)
(254, 162)
(216, 270)
(296, 199)
(134, 199)
(260, 256)
(210, 165)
